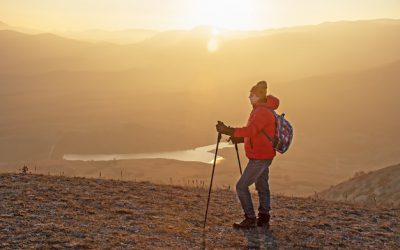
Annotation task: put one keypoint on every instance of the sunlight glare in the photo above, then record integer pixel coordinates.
(219, 159)
(215, 32)
(228, 14)
(212, 44)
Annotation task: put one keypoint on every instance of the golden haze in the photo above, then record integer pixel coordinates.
(338, 84)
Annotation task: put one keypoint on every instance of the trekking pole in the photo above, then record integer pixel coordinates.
(212, 177)
(237, 154)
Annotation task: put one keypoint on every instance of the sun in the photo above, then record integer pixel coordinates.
(227, 14)
(220, 14)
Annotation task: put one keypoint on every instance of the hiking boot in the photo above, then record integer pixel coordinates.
(263, 220)
(245, 224)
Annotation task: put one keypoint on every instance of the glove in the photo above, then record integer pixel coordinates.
(236, 140)
(223, 129)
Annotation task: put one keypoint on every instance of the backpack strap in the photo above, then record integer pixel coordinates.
(265, 133)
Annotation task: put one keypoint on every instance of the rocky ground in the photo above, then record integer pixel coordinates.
(40, 211)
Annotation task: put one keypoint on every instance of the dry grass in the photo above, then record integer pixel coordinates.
(38, 211)
(380, 187)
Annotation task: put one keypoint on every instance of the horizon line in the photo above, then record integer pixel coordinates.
(196, 27)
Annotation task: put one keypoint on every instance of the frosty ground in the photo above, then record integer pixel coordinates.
(40, 211)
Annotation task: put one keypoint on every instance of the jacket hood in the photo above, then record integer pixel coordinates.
(272, 103)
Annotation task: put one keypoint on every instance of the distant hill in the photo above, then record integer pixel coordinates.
(350, 108)
(121, 37)
(61, 212)
(381, 187)
(35, 53)
(285, 54)
(4, 25)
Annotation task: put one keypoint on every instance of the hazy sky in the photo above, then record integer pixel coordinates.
(186, 14)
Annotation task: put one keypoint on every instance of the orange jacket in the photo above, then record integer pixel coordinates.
(256, 144)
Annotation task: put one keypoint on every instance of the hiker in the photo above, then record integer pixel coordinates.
(260, 153)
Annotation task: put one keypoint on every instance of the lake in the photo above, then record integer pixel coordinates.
(199, 154)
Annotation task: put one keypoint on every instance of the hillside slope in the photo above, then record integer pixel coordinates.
(49, 212)
(381, 186)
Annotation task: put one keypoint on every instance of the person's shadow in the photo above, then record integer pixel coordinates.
(260, 238)
(257, 238)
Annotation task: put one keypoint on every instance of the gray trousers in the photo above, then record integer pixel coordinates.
(257, 171)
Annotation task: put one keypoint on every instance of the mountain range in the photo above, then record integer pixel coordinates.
(337, 82)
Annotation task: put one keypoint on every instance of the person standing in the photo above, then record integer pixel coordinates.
(259, 151)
